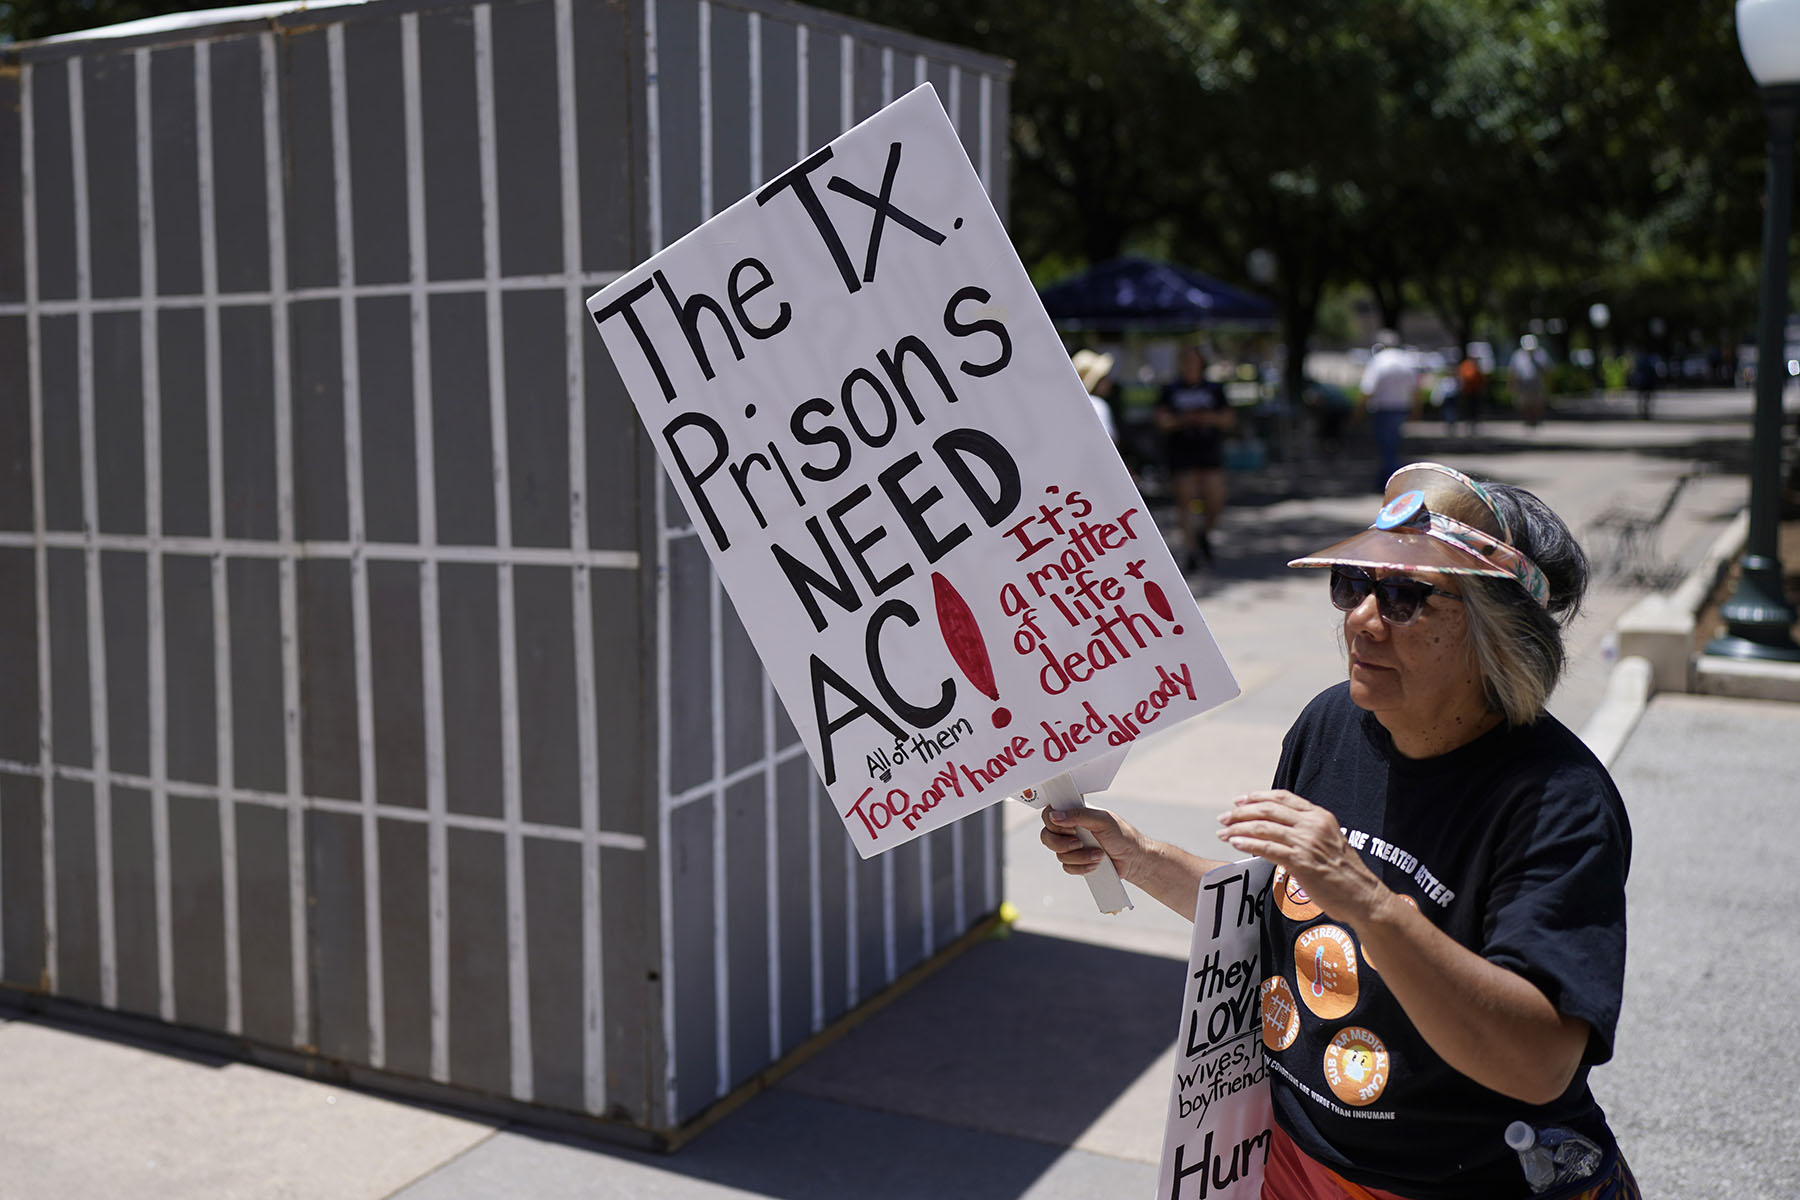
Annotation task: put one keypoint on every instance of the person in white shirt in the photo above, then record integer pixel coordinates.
(1525, 375)
(1389, 385)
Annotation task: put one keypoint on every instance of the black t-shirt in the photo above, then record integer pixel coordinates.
(1516, 845)
(1194, 445)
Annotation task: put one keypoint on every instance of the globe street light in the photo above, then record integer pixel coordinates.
(1758, 618)
(1599, 317)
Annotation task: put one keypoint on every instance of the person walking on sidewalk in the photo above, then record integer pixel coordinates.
(1390, 384)
(1194, 416)
(1444, 962)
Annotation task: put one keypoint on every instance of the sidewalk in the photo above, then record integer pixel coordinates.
(1036, 1066)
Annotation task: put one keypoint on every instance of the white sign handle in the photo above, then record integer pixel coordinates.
(1103, 883)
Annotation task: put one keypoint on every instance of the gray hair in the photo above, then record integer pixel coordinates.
(1518, 642)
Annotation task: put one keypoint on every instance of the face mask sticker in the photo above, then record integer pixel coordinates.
(1356, 1066)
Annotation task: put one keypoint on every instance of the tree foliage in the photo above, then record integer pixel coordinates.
(1493, 161)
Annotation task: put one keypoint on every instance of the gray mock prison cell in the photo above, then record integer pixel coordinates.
(367, 706)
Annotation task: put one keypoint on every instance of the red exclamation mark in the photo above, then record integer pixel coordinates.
(1159, 603)
(962, 637)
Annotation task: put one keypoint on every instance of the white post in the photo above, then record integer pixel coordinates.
(1062, 794)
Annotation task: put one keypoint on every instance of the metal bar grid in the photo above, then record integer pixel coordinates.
(286, 551)
(872, 958)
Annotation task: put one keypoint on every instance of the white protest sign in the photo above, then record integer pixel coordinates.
(1217, 1140)
(950, 577)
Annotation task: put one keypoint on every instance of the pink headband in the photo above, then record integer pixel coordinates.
(1408, 512)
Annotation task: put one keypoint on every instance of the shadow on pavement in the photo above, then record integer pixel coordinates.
(991, 1042)
(974, 1084)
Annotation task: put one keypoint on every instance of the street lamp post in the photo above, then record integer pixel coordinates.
(1758, 618)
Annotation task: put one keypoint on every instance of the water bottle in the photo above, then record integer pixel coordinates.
(1552, 1157)
(1539, 1168)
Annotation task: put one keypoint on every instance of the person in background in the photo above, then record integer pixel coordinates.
(1390, 385)
(1471, 390)
(1095, 370)
(1643, 378)
(1194, 416)
(1444, 395)
(1444, 958)
(1525, 376)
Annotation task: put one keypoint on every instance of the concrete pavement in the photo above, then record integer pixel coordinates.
(1036, 1066)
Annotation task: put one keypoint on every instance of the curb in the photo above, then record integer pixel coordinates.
(1628, 692)
(1655, 639)
(1660, 627)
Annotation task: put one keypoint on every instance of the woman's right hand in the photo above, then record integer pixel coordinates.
(1169, 873)
(1118, 840)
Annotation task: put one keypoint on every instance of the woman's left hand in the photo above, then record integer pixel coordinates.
(1292, 832)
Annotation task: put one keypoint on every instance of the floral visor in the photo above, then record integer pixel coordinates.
(1436, 519)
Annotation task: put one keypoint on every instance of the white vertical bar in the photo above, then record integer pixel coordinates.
(987, 138)
(959, 907)
(990, 854)
(349, 353)
(815, 905)
(887, 74)
(814, 867)
(286, 566)
(771, 866)
(801, 98)
(771, 796)
(430, 640)
(665, 864)
(852, 923)
(927, 906)
(593, 993)
(753, 53)
(652, 129)
(34, 384)
(706, 139)
(215, 486)
(918, 69)
(90, 523)
(890, 954)
(150, 354)
(721, 904)
(518, 968)
(846, 83)
(716, 660)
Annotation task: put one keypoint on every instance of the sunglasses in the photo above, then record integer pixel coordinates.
(1397, 598)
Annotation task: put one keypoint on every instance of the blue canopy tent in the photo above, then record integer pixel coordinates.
(1135, 294)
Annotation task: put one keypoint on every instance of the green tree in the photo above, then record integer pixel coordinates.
(24, 20)
(1091, 124)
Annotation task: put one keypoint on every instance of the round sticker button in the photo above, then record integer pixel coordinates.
(1325, 970)
(1291, 898)
(1280, 1015)
(1356, 1066)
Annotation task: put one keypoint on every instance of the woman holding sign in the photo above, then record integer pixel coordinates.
(1447, 951)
